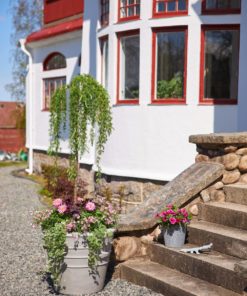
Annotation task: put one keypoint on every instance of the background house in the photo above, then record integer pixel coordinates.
(12, 131)
(172, 68)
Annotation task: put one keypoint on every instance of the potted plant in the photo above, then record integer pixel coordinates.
(80, 110)
(174, 221)
(77, 238)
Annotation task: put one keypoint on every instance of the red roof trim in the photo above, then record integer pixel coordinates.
(55, 30)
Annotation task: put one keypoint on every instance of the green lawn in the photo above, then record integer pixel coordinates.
(12, 163)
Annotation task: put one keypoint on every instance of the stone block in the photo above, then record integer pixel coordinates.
(242, 151)
(231, 161)
(230, 149)
(217, 195)
(201, 157)
(230, 177)
(243, 164)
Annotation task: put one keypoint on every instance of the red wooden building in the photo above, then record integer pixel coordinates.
(12, 133)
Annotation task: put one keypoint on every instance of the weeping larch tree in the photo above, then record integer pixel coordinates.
(86, 105)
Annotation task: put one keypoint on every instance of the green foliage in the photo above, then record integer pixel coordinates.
(95, 241)
(54, 243)
(54, 218)
(170, 88)
(57, 118)
(88, 108)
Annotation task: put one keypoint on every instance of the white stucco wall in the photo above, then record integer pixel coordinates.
(148, 141)
(152, 141)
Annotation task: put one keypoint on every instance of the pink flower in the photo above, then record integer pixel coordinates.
(91, 220)
(62, 209)
(168, 212)
(70, 227)
(57, 202)
(169, 206)
(184, 212)
(164, 219)
(173, 220)
(90, 206)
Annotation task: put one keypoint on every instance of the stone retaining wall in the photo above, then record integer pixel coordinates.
(128, 192)
(227, 149)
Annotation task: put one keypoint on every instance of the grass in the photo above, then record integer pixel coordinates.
(39, 179)
(4, 164)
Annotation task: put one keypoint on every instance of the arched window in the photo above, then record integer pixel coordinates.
(54, 61)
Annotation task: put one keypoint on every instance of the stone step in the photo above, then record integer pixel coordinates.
(225, 213)
(167, 281)
(212, 267)
(236, 193)
(227, 240)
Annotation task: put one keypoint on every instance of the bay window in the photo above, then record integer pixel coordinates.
(219, 64)
(169, 65)
(128, 67)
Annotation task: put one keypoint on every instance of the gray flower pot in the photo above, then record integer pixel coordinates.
(77, 278)
(174, 235)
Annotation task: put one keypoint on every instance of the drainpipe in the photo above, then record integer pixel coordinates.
(30, 106)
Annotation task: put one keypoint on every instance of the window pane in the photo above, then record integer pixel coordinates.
(171, 6)
(221, 64)
(50, 86)
(129, 75)
(104, 48)
(223, 4)
(56, 61)
(182, 5)
(170, 64)
(160, 7)
(235, 4)
(211, 4)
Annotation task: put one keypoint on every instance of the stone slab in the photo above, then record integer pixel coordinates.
(179, 191)
(212, 266)
(219, 138)
(167, 281)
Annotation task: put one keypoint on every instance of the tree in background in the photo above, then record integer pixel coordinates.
(27, 17)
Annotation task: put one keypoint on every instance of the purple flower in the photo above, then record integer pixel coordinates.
(90, 206)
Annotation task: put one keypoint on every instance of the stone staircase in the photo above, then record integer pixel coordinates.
(173, 273)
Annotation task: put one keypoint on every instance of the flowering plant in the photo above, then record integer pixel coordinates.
(172, 215)
(95, 215)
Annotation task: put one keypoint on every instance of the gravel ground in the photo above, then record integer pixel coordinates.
(22, 258)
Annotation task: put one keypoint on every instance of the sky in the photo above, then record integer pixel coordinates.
(5, 50)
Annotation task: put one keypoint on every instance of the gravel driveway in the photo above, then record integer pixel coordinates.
(22, 258)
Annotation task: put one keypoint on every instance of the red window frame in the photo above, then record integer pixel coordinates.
(128, 18)
(49, 57)
(46, 102)
(211, 101)
(214, 11)
(104, 17)
(167, 101)
(168, 13)
(119, 36)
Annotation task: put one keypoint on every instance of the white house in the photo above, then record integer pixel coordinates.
(172, 68)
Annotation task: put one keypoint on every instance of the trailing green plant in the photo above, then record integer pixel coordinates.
(54, 243)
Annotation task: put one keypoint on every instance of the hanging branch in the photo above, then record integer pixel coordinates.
(88, 109)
